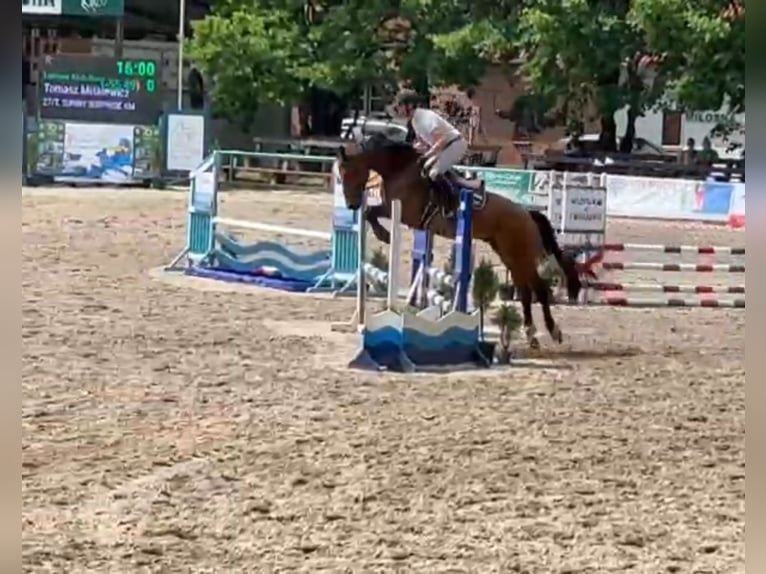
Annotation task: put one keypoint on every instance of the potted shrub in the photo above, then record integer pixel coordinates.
(509, 320)
(484, 293)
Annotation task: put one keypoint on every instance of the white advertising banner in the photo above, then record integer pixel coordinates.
(185, 142)
(99, 152)
(577, 203)
(646, 197)
(43, 7)
(737, 210)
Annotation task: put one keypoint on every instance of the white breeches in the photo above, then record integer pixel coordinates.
(447, 158)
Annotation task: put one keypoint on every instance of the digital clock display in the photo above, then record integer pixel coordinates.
(100, 89)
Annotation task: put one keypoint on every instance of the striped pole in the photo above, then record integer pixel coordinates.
(645, 303)
(657, 288)
(673, 249)
(671, 267)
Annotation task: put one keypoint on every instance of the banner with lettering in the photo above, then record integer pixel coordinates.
(647, 197)
(515, 184)
(93, 8)
(88, 8)
(41, 7)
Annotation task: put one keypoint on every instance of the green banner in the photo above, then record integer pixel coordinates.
(93, 8)
(515, 184)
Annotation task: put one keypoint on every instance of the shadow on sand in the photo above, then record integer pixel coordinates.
(577, 354)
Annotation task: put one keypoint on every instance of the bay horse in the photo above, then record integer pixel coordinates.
(521, 240)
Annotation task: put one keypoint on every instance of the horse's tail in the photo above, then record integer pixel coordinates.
(568, 262)
(548, 235)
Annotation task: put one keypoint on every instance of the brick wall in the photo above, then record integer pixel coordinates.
(498, 91)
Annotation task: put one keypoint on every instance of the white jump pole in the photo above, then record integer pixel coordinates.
(361, 277)
(273, 228)
(394, 254)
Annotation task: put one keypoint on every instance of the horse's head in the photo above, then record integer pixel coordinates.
(354, 172)
(389, 158)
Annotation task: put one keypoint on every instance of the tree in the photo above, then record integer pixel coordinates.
(258, 51)
(584, 59)
(585, 55)
(705, 40)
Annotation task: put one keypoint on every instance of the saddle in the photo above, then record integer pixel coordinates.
(460, 182)
(445, 192)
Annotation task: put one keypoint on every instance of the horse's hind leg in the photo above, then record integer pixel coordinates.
(529, 323)
(544, 298)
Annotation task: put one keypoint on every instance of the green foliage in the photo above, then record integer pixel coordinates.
(628, 53)
(509, 320)
(485, 284)
(252, 54)
(379, 259)
(33, 151)
(703, 43)
(485, 287)
(581, 59)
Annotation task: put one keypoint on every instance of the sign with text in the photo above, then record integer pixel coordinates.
(94, 8)
(513, 184)
(100, 89)
(41, 7)
(88, 8)
(577, 203)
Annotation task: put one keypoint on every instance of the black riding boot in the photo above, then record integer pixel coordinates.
(446, 198)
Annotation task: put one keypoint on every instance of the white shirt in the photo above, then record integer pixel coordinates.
(430, 126)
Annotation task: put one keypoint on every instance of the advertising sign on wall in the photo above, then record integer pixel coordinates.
(41, 7)
(515, 184)
(713, 200)
(648, 197)
(88, 8)
(97, 153)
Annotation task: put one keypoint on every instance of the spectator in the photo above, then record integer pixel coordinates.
(689, 154)
(707, 156)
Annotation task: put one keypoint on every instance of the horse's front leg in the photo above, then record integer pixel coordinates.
(373, 215)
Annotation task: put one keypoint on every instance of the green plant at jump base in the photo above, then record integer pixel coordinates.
(509, 320)
(33, 152)
(379, 260)
(484, 291)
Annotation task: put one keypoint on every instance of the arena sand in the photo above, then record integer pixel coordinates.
(178, 425)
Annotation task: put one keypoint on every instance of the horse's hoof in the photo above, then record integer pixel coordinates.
(534, 344)
(557, 335)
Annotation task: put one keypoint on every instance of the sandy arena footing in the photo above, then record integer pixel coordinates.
(183, 426)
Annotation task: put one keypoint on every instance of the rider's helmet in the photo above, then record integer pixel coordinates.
(408, 100)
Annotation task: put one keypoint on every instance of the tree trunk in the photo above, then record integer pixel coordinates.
(626, 144)
(608, 136)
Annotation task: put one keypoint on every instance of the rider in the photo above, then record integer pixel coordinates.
(440, 142)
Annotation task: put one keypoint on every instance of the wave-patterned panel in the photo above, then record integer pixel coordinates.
(448, 355)
(382, 340)
(450, 340)
(454, 320)
(271, 255)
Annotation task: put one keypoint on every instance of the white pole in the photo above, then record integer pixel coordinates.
(394, 253)
(361, 279)
(181, 37)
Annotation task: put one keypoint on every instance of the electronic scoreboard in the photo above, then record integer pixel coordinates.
(100, 89)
